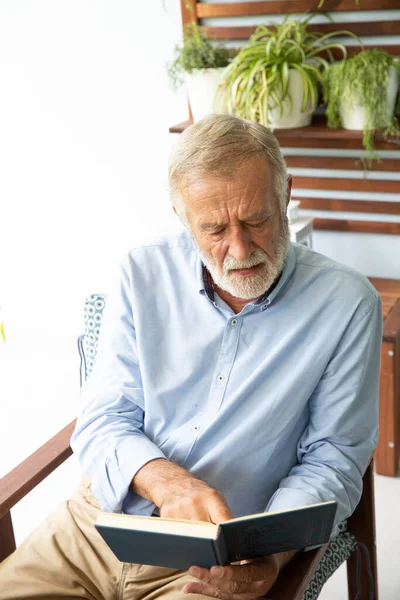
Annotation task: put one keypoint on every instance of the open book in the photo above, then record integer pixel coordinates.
(180, 543)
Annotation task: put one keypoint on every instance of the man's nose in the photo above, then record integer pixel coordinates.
(240, 245)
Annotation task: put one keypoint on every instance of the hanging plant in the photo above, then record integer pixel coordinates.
(257, 80)
(362, 81)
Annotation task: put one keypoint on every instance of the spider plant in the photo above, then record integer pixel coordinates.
(257, 80)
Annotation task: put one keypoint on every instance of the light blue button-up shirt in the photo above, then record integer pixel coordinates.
(276, 407)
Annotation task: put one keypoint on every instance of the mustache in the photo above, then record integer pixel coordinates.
(258, 257)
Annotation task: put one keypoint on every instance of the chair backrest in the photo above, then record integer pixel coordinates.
(87, 343)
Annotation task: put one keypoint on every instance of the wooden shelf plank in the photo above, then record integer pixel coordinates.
(364, 206)
(386, 287)
(368, 28)
(273, 7)
(354, 185)
(344, 163)
(318, 131)
(357, 226)
(180, 127)
(393, 50)
(336, 143)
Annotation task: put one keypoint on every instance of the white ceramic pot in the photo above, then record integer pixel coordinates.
(202, 87)
(354, 117)
(292, 116)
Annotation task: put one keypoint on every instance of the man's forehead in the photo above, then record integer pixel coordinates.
(254, 169)
(218, 191)
(243, 198)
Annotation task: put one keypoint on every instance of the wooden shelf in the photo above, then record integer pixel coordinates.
(368, 28)
(318, 134)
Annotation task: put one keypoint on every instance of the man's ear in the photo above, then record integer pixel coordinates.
(288, 190)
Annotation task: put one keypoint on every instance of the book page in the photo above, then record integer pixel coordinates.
(157, 524)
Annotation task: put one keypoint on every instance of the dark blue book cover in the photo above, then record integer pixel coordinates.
(179, 544)
(270, 533)
(161, 549)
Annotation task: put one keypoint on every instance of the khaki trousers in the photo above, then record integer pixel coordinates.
(65, 557)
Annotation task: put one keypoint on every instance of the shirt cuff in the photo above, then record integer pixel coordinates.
(287, 498)
(111, 482)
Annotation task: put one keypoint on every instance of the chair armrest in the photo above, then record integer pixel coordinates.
(362, 525)
(27, 475)
(364, 513)
(294, 579)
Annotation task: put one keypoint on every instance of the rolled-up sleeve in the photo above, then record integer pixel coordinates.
(337, 444)
(108, 440)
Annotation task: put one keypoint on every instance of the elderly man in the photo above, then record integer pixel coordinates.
(236, 373)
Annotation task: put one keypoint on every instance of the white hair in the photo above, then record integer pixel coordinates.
(216, 145)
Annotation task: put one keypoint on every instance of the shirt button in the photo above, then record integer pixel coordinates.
(234, 322)
(264, 307)
(196, 428)
(220, 378)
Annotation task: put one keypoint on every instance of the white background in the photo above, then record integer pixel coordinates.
(85, 107)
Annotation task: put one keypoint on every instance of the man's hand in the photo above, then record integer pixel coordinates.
(178, 494)
(235, 582)
(247, 581)
(193, 499)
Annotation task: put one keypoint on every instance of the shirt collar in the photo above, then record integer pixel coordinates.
(205, 287)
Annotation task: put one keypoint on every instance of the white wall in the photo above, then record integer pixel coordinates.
(85, 107)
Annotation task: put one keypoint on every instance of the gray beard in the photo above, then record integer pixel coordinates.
(254, 286)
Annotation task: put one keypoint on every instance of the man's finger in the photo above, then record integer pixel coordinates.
(205, 590)
(230, 587)
(212, 591)
(200, 573)
(220, 514)
(258, 570)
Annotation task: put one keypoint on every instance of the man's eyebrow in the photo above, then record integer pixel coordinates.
(254, 217)
(211, 225)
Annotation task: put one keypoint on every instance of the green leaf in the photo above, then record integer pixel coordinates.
(306, 87)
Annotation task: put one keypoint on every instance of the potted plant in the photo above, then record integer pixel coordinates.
(275, 77)
(200, 63)
(361, 94)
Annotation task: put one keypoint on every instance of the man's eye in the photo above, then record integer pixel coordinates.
(257, 225)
